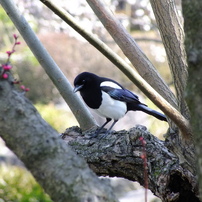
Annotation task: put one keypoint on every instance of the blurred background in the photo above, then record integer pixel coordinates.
(74, 55)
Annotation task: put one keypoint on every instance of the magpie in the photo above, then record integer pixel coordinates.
(109, 99)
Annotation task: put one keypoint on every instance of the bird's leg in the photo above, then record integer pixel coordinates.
(112, 126)
(100, 129)
(109, 130)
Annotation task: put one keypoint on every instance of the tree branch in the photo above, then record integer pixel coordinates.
(63, 175)
(131, 49)
(119, 154)
(169, 110)
(82, 115)
(172, 35)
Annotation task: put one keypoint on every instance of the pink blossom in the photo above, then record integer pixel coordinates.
(5, 76)
(17, 43)
(6, 67)
(22, 87)
(10, 52)
(15, 36)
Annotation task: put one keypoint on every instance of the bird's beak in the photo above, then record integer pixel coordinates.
(77, 88)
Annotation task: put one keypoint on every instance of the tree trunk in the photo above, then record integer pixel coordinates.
(193, 43)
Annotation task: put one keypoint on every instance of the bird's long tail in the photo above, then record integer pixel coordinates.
(158, 115)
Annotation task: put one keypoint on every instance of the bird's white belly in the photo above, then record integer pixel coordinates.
(111, 108)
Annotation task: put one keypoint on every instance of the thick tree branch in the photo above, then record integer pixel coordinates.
(82, 115)
(119, 154)
(169, 110)
(63, 175)
(172, 35)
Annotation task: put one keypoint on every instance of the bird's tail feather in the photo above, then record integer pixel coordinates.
(152, 112)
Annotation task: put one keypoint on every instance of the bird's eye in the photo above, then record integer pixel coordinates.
(83, 81)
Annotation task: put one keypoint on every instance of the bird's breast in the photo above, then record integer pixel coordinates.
(111, 108)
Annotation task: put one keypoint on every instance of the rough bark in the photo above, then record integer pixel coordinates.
(193, 43)
(119, 154)
(62, 174)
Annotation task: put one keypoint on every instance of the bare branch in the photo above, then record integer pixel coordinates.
(82, 115)
(141, 39)
(131, 49)
(172, 35)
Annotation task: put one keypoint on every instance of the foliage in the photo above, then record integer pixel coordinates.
(18, 185)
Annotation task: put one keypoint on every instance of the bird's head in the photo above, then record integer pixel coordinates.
(84, 80)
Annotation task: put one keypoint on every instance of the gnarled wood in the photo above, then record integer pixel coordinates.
(119, 154)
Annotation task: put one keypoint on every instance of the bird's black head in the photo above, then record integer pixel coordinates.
(84, 81)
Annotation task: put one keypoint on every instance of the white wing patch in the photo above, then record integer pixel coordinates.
(110, 84)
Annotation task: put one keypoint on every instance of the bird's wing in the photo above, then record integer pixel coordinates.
(121, 94)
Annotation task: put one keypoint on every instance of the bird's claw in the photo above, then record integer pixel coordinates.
(98, 132)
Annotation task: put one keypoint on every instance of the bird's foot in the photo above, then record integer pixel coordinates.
(104, 135)
(98, 132)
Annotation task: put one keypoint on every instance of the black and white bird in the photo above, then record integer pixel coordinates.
(109, 99)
